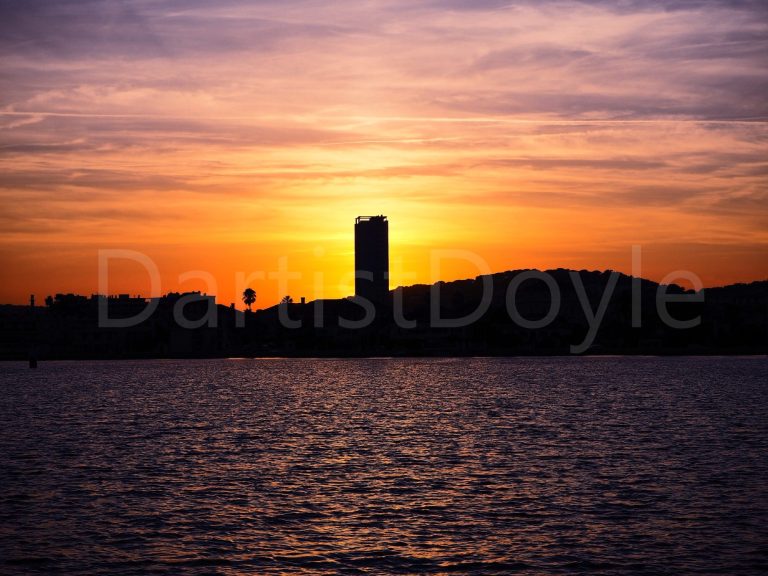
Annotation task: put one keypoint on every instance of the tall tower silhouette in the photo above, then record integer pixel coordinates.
(372, 258)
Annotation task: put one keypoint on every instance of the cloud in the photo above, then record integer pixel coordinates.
(700, 59)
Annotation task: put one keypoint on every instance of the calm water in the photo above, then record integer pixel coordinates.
(482, 466)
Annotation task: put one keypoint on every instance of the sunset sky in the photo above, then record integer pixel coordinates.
(225, 136)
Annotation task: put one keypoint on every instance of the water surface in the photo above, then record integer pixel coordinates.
(470, 466)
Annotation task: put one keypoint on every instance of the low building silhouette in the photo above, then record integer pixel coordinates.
(733, 321)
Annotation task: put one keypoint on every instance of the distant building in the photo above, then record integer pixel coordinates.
(372, 258)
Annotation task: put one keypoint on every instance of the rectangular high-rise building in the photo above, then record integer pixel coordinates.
(372, 258)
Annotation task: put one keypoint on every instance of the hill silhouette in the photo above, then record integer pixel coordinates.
(521, 312)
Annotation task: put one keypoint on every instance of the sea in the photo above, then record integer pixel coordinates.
(599, 465)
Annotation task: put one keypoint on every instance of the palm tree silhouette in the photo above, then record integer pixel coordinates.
(249, 297)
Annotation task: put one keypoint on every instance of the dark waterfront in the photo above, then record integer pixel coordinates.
(472, 466)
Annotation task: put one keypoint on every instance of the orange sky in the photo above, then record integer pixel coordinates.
(227, 138)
